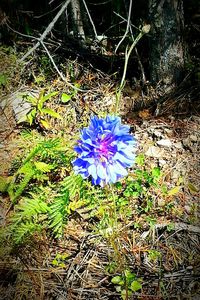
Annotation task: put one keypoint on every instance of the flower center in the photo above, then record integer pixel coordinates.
(103, 149)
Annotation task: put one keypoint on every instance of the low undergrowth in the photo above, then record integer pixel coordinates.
(47, 204)
(44, 193)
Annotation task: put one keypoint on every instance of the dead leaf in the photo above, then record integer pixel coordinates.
(174, 191)
(193, 189)
(145, 114)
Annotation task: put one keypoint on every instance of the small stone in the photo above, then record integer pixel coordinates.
(193, 138)
(175, 174)
(17, 101)
(187, 209)
(157, 133)
(154, 152)
(162, 162)
(168, 131)
(165, 143)
(161, 202)
(178, 145)
(186, 142)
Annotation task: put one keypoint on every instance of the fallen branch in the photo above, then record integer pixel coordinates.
(176, 227)
(53, 62)
(47, 30)
(180, 226)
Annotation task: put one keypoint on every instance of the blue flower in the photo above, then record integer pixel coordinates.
(105, 150)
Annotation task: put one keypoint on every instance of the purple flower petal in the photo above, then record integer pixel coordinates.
(105, 150)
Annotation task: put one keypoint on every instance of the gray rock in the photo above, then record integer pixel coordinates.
(154, 152)
(157, 133)
(18, 103)
(193, 138)
(178, 145)
(164, 143)
(162, 162)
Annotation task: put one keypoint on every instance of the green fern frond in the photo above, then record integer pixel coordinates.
(43, 167)
(26, 218)
(28, 208)
(16, 189)
(24, 230)
(72, 184)
(58, 213)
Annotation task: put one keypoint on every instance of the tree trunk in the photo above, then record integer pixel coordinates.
(166, 43)
(77, 19)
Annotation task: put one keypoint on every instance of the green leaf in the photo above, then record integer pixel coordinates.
(156, 172)
(55, 262)
(45, 124)
(43, 167)
(26, 168)
(73, 184)
(136, 286)
(51, 113)
(65, 98)
(118, 288)
(164, 189)
(116, 279)
(170, 227)
(40, 78)
(129, 276)
(48, 96)
(31, 116)
(3, 79)
(32, 100)
(140, 160)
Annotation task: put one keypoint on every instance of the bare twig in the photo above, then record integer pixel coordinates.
(180, 226)
(58, 71)
(47, 30)
(141, 66)
(90, 18)
(144, 30)
(176, 227)
(136, 52)
(22, 34)
(127, 26)
(53, 62)
(131, 25)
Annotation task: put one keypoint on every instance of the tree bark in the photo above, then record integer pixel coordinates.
(77, 19)
(166, 43)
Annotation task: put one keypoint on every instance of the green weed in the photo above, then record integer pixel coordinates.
(39, 111)
(127, 284)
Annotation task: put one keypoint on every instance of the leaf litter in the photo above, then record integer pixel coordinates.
(163, 250)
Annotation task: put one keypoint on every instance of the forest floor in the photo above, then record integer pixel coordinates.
(163, 252)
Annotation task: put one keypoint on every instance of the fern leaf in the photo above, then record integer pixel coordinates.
(15, 190)
(73, 184)
(58, 214)
(29, 208)
(43, 167)
(23, 230)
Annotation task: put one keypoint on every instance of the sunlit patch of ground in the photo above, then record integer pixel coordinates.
(83, 263)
